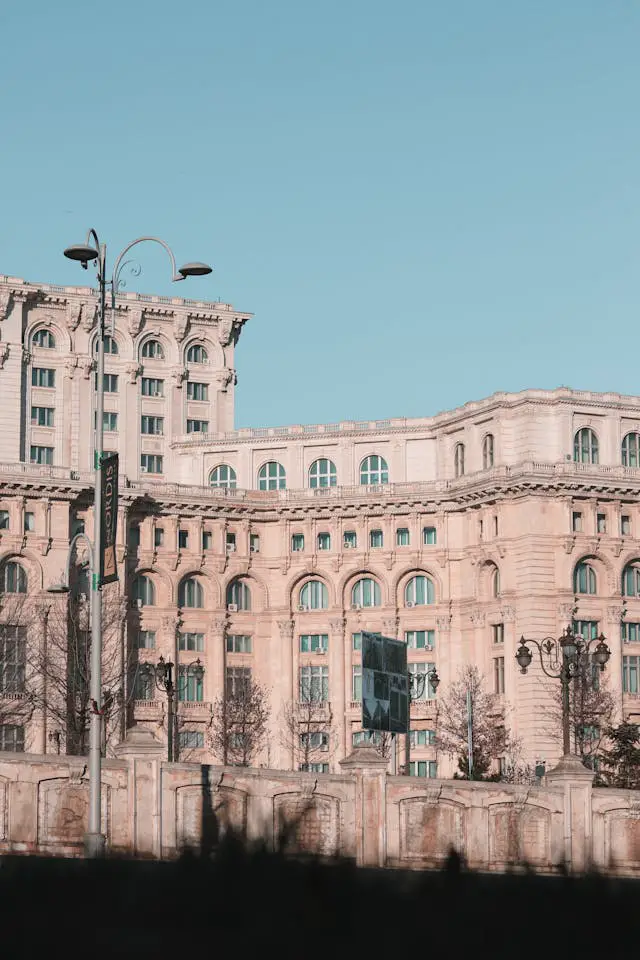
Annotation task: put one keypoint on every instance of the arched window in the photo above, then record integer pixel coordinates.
(144, 592)
(366, 593)
(487, 452)
(191, 593)
(14, 578)
(374, 470)
(238, 593)
(223, 476)
(419, 592)
(197, 354)
(110, 345)
(322, 473)
(44, 339)
(584, 579)
(495, 582)
(314, 595)
(272, 476)
(152, 350)
(631, 580)
(585, 446)
(631, 450)
(458, 460)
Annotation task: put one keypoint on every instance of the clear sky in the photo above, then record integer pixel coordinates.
(422, 202)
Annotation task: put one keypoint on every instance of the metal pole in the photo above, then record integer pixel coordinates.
(566, 729)
(470, 733)
(94, 840)
(170, 721)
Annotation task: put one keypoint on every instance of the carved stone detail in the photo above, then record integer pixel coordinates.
(74, 311)
(337, 626)
(171, 624)
(225, 377)
(71, 367)
(134, 370)
(615, 614)
(286, 629)
(181, 326)
(390, 626)
(508, 614)
(219, 625)
(134, 318)
(26, 357)
(179, 374)
(89, 316)
(566, 611)
(443, 624)
(569, 544)
(5, 302)
(88, 367)
(478, 618)
(4, 354)
(225, 331)
(77, 770)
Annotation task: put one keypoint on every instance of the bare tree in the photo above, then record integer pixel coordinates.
(306, 730)
(238, 730)
(592, 708)
(489, 732)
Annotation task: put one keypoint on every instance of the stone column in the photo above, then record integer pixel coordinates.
(143, 754)
(216, 659)
(368, 771)
(576, 781)
(288, 695)
(337, 692)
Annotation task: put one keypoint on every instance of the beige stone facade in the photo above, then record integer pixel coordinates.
(459, 532)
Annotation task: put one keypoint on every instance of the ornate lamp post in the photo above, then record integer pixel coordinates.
(416, 686)
(92, 251)
(162, 673)
(565, 659)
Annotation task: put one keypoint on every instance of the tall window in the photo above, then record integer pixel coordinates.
(375, 539)
(487, 452)
(12, 737)
(190, 684)
(152, 350)
(44, 339)
(197, 354)
(458, 460)
(366, 593)
(43, 377)
(495, 582)
(146, 639)
(272, 476)
(110, 345)
(630, 670)
(584, 579)
(197, 391)
(237, 680)
(13, 659)
(374, 471)
(356, 682)
(297, 542)
(324, 541)
(402, 537)
(498, 674)
(314, 684)
(191, 641)
(322, 473)
(630, 632)
(429, 536)
(152, 387)
(631, 450)
(144, 592)
(223, 476)
(191, 593)
(238, 593)
(631, 580)
(14, 578)
(585, 446)
(419, 592)
(152, 425)
(314, 595)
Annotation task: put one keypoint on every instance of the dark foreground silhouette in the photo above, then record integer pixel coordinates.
(242, 901)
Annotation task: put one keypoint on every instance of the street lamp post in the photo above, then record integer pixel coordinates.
(162, 673)
(416, 687)
(565, 659)
(92, 251)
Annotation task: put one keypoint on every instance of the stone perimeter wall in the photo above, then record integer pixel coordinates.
(152, 808)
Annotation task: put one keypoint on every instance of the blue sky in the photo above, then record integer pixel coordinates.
(422, 202)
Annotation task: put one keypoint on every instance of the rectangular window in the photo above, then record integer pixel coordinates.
(422, 688)
(420, 639)
(423, 768)
(586, 628)
(254, 543)
(297, 543)
(191, 739)
(207, 540)
(13, 659)
(498, 674)
(151, 387)
(625, 525)
(402, 537)
(42, 455)
(158, 537)
(313, 767)
(183, 539)
(152, 426)
(576, 521)
(317, 740)
(42, 416)
(601, 523)
(191, 641)
(375, 539)
(197, 391)
(314, 643)
(238, 679)
(4, 519)
(12, 737)
(146, 640)
(372, 737)
(231, 542)
(190, 685)
(630, 668)
(497, 630)
(145, 687)
(197, 426)
(314, 684)
(43, 377)
(29, 522)
(150, 463)
(356, 682)
(324, 541)
(429, 536)
(238, 643)
(356, 639)
(350, 540)
(422, 738)
(110, 382)
(631, 632)
(109, 421)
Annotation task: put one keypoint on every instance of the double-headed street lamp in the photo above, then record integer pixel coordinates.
(162, 673)
(92, 251)
(416, 687)
(565, 659)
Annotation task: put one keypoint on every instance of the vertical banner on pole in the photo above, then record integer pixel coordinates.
(108, 527)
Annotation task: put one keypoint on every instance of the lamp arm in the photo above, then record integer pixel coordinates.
(123, 253)
(538, 645)
(79, 536)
